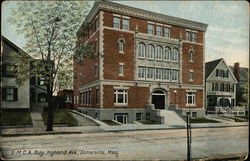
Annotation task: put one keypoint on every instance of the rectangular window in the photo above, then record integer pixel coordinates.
(97, 96)
(125, 24)
(188, 36)
(190, 98)
(96, 70)
(150, 73)
(41, 81)
(166, 74)
(194, 37)
(167, 32)
(194, 114)
(121, 65)
(190, 76)
(151, 29)
(8, 70)
(212, 86)
(141, 72)
(158, 73)
(138, 116)
(81, 99)
(116, 22)
(158, 30)
(10, 94)
(174, 75)
(120, 96)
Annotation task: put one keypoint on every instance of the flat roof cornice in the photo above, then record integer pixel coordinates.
(140, 13)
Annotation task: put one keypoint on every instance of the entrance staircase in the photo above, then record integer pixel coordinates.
(170, 118)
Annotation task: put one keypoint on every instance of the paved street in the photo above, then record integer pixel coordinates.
(155, 144)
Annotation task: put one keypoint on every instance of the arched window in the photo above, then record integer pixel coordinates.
(142, 50)
(191, 56)
(175, 54)
(158, 54)
(121, 45)
(151, 51)
(166, 54)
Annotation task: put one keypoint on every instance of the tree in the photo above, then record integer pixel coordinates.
(50, 32)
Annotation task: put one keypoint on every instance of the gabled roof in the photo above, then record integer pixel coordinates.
(210, 66)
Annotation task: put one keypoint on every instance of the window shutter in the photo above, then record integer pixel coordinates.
(15, 94)
(4, 94)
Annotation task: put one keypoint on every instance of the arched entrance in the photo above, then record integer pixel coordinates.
(224, 102)
(158, 98)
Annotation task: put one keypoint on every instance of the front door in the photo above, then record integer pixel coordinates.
(158, 99)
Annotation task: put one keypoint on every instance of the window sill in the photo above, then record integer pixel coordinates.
(191, 80)
(191, 61)
(121, 75)
(121, 52)
(121, 104)
(190, 105)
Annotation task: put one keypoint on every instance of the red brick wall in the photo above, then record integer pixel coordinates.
(196, 65)
(137, 97)
(112, 57)
(181, 98)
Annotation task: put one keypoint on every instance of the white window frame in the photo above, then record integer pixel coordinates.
(166, 74)
(121, 69)
(193, 99)
(191, 56)
(158, 30)
(142, 50)
(191, 75)
(167, 32)
(175, 55)
(167, 54)
(121, 45)
(125, 97)
(174, 74)
(150, 51)
(158, 73)
(141, 72)
(194, 37)
(188, 36)
(150, 72)
(124, 26)
(150, 31)
(158, 54)
(116, 25)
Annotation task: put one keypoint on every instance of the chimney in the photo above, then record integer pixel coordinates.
(237, 70)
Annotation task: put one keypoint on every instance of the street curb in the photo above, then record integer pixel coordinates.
(173, 128)
(44, 133)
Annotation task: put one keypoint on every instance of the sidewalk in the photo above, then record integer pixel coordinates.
(99, 129)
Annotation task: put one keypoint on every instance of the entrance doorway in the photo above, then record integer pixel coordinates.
(158, 99)
(121, 117)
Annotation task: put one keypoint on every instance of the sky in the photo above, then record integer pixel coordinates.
(227, 35)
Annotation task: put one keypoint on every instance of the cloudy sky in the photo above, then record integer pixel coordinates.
(227, 35)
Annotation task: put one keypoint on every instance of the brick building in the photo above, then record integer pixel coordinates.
(147, 63)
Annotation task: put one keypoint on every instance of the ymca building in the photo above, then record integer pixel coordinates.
(147, 65)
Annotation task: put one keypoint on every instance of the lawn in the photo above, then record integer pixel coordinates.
(203, 120)
(110, 122)
(15, 118)
(243, 117)
(148, 122)
(236, 119)
(61, 116)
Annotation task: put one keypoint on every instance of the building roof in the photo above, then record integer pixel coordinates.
(210, 66)
(144, 14)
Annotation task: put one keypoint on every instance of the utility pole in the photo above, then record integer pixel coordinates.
(188, 138)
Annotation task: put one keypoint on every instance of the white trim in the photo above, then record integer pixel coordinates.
(159, 24)
(191, 70)
(120, 87)
(116, 15)
(191, 42)
(166, 25)
(116, 29)
(188, 90)
(125, 17)
(150, 22)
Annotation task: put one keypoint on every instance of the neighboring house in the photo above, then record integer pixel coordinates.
(147, 63)
(220, 85)
(66, 97)
(241, 74)
(26, 97)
